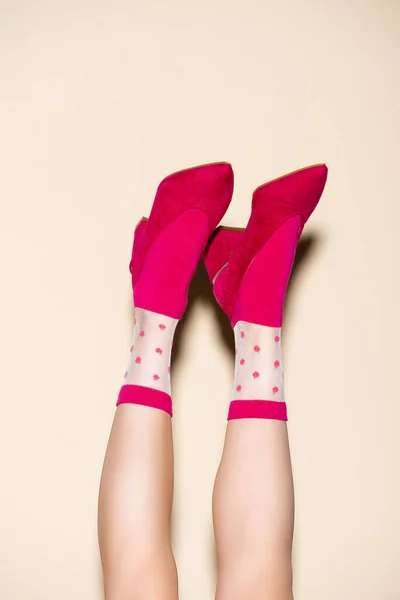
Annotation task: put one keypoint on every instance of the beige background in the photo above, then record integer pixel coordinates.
(99, 101)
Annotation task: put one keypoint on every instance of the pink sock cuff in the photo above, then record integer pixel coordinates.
(257, 409)
(138, 394)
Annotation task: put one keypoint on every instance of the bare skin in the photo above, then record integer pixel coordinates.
(253, 511)
(135, 503)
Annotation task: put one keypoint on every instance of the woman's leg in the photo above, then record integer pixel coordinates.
(253, 496)
(137, 482)
(253, 510)
(135, 507)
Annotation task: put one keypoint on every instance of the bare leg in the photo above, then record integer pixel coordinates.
(137, 482)
(135, 504)
(253, 509)
(253, 503)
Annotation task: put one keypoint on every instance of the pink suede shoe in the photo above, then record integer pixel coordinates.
(250, 269)
(167, 246)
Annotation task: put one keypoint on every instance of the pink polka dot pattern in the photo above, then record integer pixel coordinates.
(258, 364)
(149, 362)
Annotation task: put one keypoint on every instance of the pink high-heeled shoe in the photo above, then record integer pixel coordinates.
(167, 246)
(250, 269)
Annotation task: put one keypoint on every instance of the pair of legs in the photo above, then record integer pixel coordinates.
(252, 509)
(253, 495)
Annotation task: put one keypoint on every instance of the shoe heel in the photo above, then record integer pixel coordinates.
(219, 250)
(138, 242)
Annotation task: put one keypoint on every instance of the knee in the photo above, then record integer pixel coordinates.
(141, 576)
(256, 577)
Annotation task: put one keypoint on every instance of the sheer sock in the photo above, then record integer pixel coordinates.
(147, 377)
(161, 290)
(258, 315)
(258, 383)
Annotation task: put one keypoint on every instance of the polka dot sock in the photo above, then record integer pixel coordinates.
(258, 383)
(147, 376)
(257, 321)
